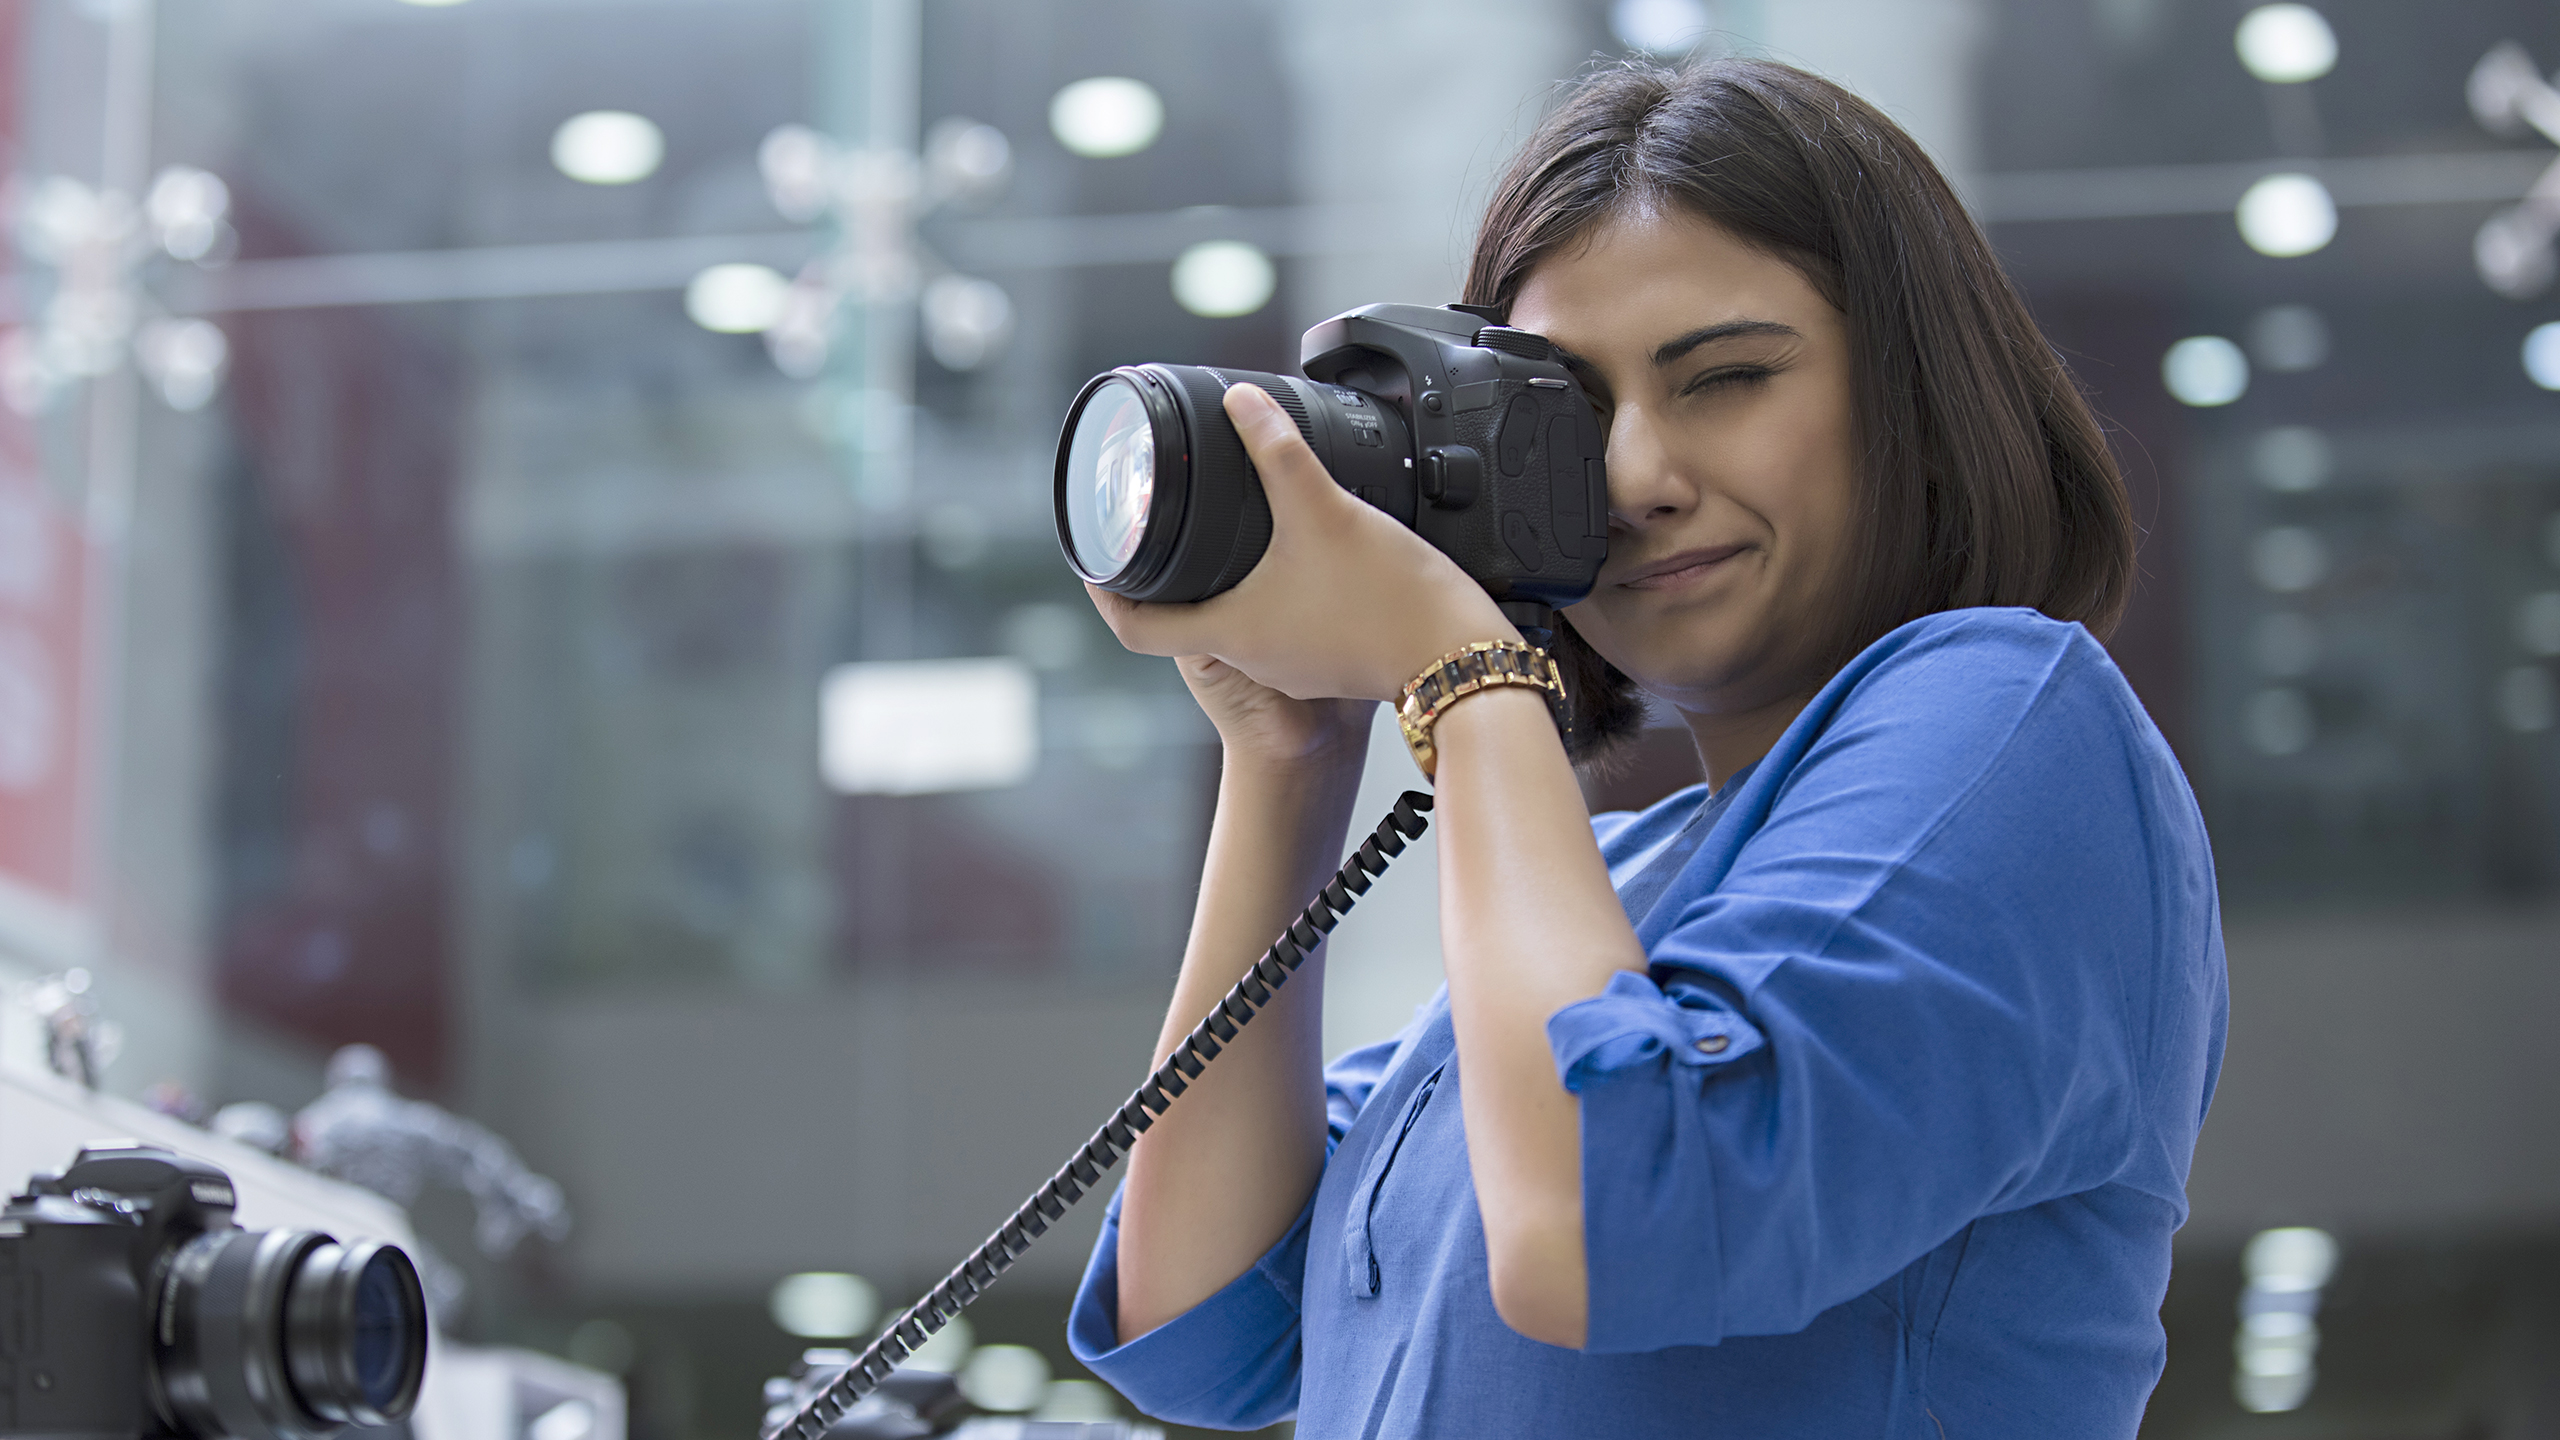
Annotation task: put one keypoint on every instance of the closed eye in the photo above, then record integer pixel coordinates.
(1728, 377)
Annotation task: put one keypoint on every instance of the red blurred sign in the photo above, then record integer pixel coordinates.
(44, 564)
(44, 577)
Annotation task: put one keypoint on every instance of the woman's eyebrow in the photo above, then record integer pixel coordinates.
(1671, 350)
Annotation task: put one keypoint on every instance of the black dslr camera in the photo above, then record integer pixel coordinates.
(132, 1305)
(1471, 432)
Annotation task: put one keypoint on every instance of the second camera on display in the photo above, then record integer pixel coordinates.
(131, 1305)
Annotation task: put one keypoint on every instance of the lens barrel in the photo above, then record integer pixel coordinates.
(287, 1335)
(1156, 498)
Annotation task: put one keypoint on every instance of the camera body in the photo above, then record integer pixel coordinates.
(132, 1305)
(1471, 432)
(1510, 479)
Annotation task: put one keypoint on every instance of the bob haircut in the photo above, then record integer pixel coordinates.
(1987, 479)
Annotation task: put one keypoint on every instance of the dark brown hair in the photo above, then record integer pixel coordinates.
(1988, 481)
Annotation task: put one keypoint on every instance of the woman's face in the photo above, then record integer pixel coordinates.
(1723, 381)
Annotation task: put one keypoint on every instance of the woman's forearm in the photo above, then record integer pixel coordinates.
(1217, 1181)
(1529, 924)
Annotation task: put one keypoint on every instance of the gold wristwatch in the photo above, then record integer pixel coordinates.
(1463, 672)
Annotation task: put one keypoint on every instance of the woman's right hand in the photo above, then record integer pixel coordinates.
(1259, 725)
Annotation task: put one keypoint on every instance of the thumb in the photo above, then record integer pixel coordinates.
(1292, 476)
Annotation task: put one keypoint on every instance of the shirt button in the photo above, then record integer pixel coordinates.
(1715, 1044)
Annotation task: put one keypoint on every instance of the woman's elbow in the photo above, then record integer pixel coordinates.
(1540, 1288)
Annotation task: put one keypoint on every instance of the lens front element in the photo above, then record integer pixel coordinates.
(356, 1332)
(1108, 485)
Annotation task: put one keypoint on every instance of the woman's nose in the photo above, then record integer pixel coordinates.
(1645, 483)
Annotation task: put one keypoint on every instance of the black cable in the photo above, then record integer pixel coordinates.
(903, 1336)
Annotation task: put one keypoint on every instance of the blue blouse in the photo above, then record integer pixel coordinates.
(1890, 1140)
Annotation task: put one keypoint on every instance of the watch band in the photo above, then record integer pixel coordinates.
(1463, 672)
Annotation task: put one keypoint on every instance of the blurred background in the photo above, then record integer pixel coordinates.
(524, 542)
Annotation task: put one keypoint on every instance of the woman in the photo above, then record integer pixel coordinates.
(1851, 1093)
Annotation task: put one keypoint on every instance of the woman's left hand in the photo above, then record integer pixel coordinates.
(1345, 604)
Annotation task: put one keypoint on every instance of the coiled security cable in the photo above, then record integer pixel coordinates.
(903, 1336)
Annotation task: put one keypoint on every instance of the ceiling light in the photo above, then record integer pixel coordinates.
(736, 299)
(607, 147)
(2286, 44)
(2542, 355)
(1106, 116)
(1660, 27)
(2205, 370)
(1220, 278)
(824, 1305)
(2287, 215)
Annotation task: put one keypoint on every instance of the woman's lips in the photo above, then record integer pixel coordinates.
(1681, 569)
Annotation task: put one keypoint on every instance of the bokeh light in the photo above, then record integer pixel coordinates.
(1220, 278)
(2205, 370)
(736, 299)
(2542, 355)
(1106, 116)
(824, 1305)
(607, 147)
(2287, 215)
(2286, 44)
(1005, 1378)
(1660, 27)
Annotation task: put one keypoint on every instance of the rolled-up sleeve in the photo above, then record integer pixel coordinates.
(1901, 1006)
(1637, 1024)
(1227, 1363)
(1231, 1361)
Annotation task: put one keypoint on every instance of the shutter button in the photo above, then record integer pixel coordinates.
(1715, 1044)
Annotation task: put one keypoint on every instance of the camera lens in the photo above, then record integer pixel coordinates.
(287, 1334)
(355, 1337)
(1156, 499)
(1108, 486)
